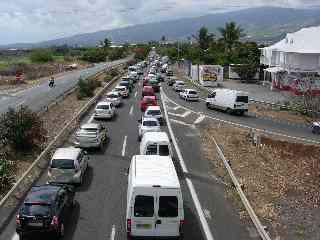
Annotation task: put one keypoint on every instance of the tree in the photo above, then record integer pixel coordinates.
(106, 43)
(94, 55)
(41, 55)
(231, 35)
(204, 38)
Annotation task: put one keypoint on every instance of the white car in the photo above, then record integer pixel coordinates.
(189, 95)
(113, 97)
(154, 112)
(178, 86)
(104, 110)
(148, 124)
(123, 90)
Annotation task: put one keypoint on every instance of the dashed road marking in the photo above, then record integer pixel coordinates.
(131, 110)
(199, 119)
(135, 94)
(207, 214)
(123, 153)
(15, 237)
(113, 232)
(91, 118)
(187, 113)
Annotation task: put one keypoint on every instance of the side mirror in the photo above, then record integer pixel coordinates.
(139, 121)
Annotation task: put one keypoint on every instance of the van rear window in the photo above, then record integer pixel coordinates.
(168, 206)
(243, 99)
(163, 150)
(143, 206)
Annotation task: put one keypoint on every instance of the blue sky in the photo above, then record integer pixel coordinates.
(38, 20)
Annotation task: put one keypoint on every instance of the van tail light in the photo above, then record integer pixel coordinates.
(128, 226)
(181, 226)
(18, 221)
(55, 222)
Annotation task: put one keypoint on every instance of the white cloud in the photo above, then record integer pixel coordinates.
(36, 20)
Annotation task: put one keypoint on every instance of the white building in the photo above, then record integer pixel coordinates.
(298, 52)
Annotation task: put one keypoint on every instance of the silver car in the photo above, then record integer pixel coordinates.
(113, 97)
(91, 135)
(68, 165)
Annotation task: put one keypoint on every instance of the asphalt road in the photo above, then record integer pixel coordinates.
(40, 96)
(100, 213)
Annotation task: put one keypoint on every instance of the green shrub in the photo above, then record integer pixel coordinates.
(107, 78)
(114, 72)
(41, 55)
(22, 129)
(6, 172)
(86, 88)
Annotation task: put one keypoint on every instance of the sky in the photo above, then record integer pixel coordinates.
(39, 20)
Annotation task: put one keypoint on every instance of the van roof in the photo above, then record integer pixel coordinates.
(231, 91)
(153, 108)
(151, 170)
(156, 137)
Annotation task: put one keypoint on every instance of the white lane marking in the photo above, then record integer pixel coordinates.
(15, 237)
(182, 123)
(199, 119)
(245, 126)
(91, 118)
(113, 232)
(203, 220)
(135, 94)
(187, 113)
(176, 108)
(131, 110)
(207, 214)
(123, 153)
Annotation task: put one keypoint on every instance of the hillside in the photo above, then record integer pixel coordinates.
(266, 23)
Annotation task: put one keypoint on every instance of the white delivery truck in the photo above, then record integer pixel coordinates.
(154, 198)
(231, 101)
(155, 143)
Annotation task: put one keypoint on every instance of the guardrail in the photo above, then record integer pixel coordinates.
(260, 228)
(21, 187)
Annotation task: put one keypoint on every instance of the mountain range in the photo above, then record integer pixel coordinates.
(264, 24)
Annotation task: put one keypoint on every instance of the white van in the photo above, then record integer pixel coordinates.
(155, 143)
(154, 198)
(231, 101)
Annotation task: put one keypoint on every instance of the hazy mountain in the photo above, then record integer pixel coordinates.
(266, 23)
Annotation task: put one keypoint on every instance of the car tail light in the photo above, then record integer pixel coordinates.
(181, 226)
(18, 221)
(55, 222)
(128, 225)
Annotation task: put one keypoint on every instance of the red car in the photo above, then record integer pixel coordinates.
(147, 91)
(148, 101)
(146, 81)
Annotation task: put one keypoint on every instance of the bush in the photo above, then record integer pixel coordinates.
(22, 129)
(94, 55)
(6, 172)
(85, 88)
(114, 72)
(41, 55)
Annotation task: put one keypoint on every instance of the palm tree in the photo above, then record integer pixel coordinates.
(231, 35)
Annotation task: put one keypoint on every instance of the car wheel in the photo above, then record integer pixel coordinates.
(60, 232)
(139, 138)
(208, 105)
(229, 111)
(81, 180)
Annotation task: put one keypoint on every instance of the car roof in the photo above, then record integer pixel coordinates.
(104, 103)
(43, 193)
(149, 119)
(179, 81)
(113, 93)
(149, 97)
(90, 125)
(66, 153)
(153, 108)
(120, 87)
(191, 89)
(156, 137)
(147, 87)
(151, 170)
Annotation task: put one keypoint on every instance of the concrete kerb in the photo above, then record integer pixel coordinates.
(11, 200)
(260, 228)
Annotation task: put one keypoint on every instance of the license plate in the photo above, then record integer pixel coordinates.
(145, 226)
(35, 224)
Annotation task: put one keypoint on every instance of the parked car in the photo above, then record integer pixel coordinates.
(231, 101)
(113, 97)
(189, 95)
(155, 143)
(148, 101)
(104, 110)
(154, 111)
(91, 135)
(68, 165)
(178, 86)
(315, 127)
(154, 198)
(148, 124)
(147, 91)
(45, 209)
(123, 90)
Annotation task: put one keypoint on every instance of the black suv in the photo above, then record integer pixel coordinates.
(45, 210)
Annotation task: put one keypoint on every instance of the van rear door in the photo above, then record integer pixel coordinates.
(169, 211)
(143, 217)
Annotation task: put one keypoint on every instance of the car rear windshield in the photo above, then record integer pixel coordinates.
(31, 209)
(163, 150)
(152, 149)
(112, 96)
(154, 112)
(124, 84)
(105, 107)
(62, 164)
(193, 92)
(168, 206)
(144, 206)
(244, 99)
(150, 123)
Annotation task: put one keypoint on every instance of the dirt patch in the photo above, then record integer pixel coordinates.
(281, 179)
